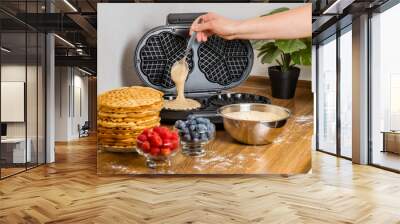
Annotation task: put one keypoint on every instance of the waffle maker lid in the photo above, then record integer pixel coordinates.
(214, 65)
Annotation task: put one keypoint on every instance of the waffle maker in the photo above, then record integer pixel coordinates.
(214, 66)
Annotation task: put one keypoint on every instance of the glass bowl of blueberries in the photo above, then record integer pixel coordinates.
(195, 133)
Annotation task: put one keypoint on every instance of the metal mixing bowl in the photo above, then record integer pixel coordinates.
(254, 132)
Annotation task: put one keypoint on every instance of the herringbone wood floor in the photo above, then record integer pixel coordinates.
(69, 191)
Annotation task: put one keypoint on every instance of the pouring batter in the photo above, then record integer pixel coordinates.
(179, 73)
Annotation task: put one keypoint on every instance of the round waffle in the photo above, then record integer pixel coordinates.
(135, 125)
(115, 141)
(138, 121)
(130, 98)
(128, 131)
(117, 131)
(154, 107)
(105, 135)
(147, 113)
(124, 113)
(113, 148)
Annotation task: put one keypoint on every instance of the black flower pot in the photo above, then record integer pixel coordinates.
(283, 84)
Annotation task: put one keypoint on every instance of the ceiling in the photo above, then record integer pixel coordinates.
(329, 16)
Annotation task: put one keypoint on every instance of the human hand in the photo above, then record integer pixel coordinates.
(212, 23)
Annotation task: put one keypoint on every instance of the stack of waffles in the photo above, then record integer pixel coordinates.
(124, 113)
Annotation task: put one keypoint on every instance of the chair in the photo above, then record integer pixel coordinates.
(84, 129)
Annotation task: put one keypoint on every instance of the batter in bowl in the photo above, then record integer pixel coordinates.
(179, 73)
(254, 116)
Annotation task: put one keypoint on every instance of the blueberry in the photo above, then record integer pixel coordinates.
(192, 127)
(180, 124)
(202, 128)
(203, 137)
(191, 117)
(210, 127)
(187, 137)
(185, 130)
(183, 126)
(203, 120)
(195, 139)
(195, 135)
(199, 120)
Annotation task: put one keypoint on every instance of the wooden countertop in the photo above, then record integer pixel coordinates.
(290, 153)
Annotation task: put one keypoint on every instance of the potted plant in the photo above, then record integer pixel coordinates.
(287, 54)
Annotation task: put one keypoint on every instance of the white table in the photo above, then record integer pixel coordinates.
(18, 149)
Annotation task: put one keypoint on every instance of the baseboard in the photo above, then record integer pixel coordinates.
(264, 79)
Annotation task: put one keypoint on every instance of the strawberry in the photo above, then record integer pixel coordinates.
(149, 134)
(146, 131)
(175, 144)
(165, 134)
(167, 143)
(142, 137)
(154, 151)
(155, 140)
(139, 144)
(165, 151)
(174, 135)
(157, 129)
(165, 129)
(145, 146)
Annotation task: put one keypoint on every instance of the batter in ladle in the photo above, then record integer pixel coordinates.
(179, 73)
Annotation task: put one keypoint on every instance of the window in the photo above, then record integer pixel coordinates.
(326, 105)
(346, 92)
(334, 106)
(22, 77)
(385, 89)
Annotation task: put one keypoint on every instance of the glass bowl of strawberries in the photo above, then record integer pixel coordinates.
(158, 145)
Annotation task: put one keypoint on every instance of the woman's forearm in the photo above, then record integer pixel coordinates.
(295, 23)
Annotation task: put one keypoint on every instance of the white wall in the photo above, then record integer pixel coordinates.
(16, 72)
(80, 115)
(61, 103)
(70, 83)
(120, 26)
(327, 96)
(33, 127)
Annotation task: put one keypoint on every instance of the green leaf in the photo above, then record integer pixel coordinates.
(290, 46)
(278, 10)
(257, 44)
(302, 57)
(268, 53)
(267, 46)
